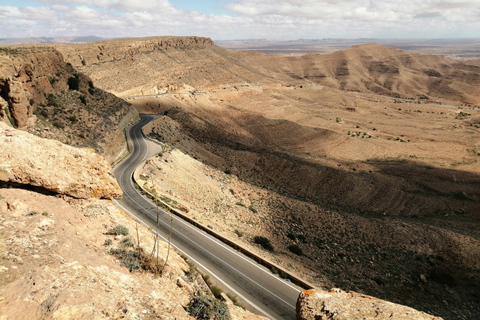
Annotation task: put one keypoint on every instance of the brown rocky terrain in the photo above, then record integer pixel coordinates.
(44, 95)
(67, 258)
(129, 67)
(84, 173)
(360, 166)
(340, 305)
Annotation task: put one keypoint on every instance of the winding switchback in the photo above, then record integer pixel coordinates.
(253, 284)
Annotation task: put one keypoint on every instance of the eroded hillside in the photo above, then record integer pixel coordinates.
(147, 66)
(372, 206)
(44, 95)
(360, 166)
(67, 254)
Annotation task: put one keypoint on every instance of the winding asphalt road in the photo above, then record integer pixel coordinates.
(255, 286)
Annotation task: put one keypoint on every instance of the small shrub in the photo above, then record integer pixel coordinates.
(302, 238)
(73, 83)
(108, 242)
(291, 236)
(73, 119)
(295, 249)
(83, 100)
(239, 233)
(52, 101)
(58, 124)
(118, 230)
(44, 213)
(234, 300)
(204, 307)
(264, 242)
(84, 62)
(33, 213)
(127, 242)
(131, 261)
(217, 292)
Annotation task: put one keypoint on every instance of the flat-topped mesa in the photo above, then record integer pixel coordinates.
(119, 49)
(77, 172)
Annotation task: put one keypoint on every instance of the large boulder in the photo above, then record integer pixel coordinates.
(337, 304)
(80, 173)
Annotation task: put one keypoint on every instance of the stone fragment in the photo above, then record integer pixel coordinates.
(348, 305)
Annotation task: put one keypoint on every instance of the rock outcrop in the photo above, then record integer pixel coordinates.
(348, 305)
(80, 173)
(42, 94)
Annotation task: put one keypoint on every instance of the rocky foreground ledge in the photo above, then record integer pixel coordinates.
(348, 305)
(77, 172)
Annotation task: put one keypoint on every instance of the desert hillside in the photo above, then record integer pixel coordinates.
(68, 254)
(44, 95)
(359, 166)
(128, 67)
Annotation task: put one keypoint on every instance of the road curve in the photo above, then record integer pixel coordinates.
(253, 284)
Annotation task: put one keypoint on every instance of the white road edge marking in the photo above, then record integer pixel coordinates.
(198, 263)
(213, 240)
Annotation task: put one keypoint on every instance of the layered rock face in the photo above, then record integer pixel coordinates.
(151, 66)
(348, 305)
(80, 173)
(44, 95)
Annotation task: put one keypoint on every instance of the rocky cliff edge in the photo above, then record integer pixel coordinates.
(348, 305)
(77, 172)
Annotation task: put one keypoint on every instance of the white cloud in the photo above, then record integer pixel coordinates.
(127, 5)
(274, 19)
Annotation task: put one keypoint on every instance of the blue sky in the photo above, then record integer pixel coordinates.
(242, 19)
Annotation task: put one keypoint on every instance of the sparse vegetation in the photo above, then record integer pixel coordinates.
(58, 124)
(204, 307)
(264, 242)
(127, 242)
(73, 83)
(295, 249)
(217, 292)
(238, 233)
(118, 230)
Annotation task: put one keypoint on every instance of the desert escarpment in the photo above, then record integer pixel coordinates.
(157, 65)
(44, 95)
(377, 194)
(337, 304)
(360, 166)
(30, 160)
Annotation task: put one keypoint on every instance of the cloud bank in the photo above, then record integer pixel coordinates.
(245, 19)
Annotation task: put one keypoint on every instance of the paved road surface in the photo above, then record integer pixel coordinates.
(253, 284)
